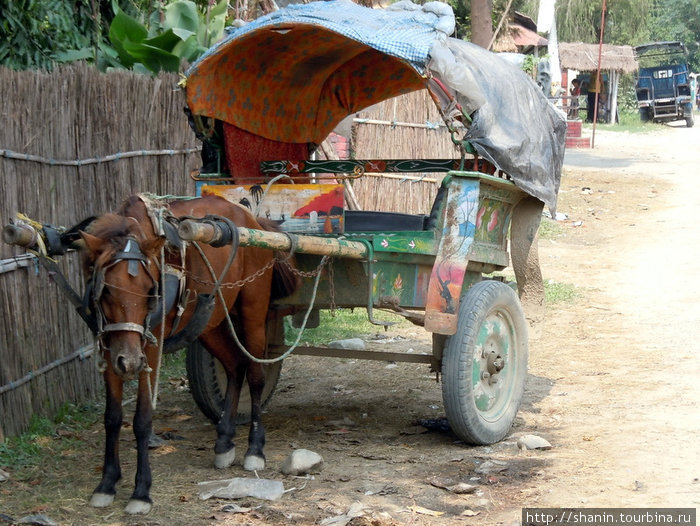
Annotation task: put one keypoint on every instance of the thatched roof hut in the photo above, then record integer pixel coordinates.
(584, 57)
(520, 36)
(616, 60)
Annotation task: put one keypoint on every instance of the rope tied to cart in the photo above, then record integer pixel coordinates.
(248, 279)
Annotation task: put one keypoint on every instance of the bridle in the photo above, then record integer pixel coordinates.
(136, 260)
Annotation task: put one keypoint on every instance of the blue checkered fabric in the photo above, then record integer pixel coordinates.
(405, 34)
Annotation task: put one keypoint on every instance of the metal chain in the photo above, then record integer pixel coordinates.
(236, 284)
(331, 286)
(249, 279)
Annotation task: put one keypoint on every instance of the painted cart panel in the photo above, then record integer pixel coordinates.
(427, 269)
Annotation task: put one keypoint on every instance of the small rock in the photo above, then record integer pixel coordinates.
(235, 508)
(491, 466)
(354, 344)
(39, 520)
(462, 488)
(237, 488)
(4, 475)
(533, 442)
(357, 509)
(302, 461)
(458, 487)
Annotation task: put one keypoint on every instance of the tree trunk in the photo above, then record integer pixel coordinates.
(482, 28)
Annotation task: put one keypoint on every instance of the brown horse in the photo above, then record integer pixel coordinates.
(127, 255)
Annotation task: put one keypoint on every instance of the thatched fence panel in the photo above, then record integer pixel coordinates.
(392, 138)
(72, 114)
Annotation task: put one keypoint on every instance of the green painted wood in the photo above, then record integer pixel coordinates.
(359, 165)
(402, 262)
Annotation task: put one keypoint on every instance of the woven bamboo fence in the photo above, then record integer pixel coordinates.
(75, 143)
(405, 127)
(73, 114)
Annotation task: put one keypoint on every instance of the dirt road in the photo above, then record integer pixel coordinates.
(624, 361)
(613, 385)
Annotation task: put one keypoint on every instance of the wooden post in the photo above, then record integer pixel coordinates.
(614, 81)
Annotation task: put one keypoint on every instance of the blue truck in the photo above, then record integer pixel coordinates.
(663, 86)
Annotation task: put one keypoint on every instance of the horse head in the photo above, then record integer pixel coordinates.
(121, 258)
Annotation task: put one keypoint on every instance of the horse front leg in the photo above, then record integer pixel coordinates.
(140, 501)
(111, 471)
(254, 457)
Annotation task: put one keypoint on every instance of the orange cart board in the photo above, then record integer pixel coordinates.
(312, 208)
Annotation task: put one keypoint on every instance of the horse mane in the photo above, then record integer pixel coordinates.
(112, 229)
(115, 227)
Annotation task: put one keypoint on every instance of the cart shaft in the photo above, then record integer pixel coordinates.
(211, 231)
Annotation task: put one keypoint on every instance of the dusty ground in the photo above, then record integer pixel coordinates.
(612, 385)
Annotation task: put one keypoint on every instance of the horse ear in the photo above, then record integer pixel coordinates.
(92, 243)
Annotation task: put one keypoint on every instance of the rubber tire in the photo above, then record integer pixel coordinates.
(207, 380)
(690, 121)
(643, 115)
(485, 301)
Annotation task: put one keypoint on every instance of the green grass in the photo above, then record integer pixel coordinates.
(347, 323)
(47, 437)
(173, 365)
(550, 229)
(555, 293)
(629, 122)
(39, 443)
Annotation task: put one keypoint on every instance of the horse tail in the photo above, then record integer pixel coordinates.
(284, 280)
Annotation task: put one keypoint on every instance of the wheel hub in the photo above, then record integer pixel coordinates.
(492, 383)
(494, 363)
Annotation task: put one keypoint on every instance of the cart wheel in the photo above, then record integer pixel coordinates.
(485, 364)
(208, 384)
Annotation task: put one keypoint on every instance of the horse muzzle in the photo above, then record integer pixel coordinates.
(128, 358)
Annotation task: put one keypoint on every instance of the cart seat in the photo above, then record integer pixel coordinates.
(373, 221)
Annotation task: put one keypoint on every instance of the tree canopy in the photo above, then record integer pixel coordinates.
(632, 22)
(41, 33)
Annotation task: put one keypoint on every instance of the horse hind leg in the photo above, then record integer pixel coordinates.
(224, 449)
(255, 458)
(217, 343)
(254, 329)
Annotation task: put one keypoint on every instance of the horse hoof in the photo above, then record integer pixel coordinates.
(224, 460)
(254, 463)
(101, 500)
(138, 507)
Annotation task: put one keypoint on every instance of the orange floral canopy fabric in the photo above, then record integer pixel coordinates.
(295, 83)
